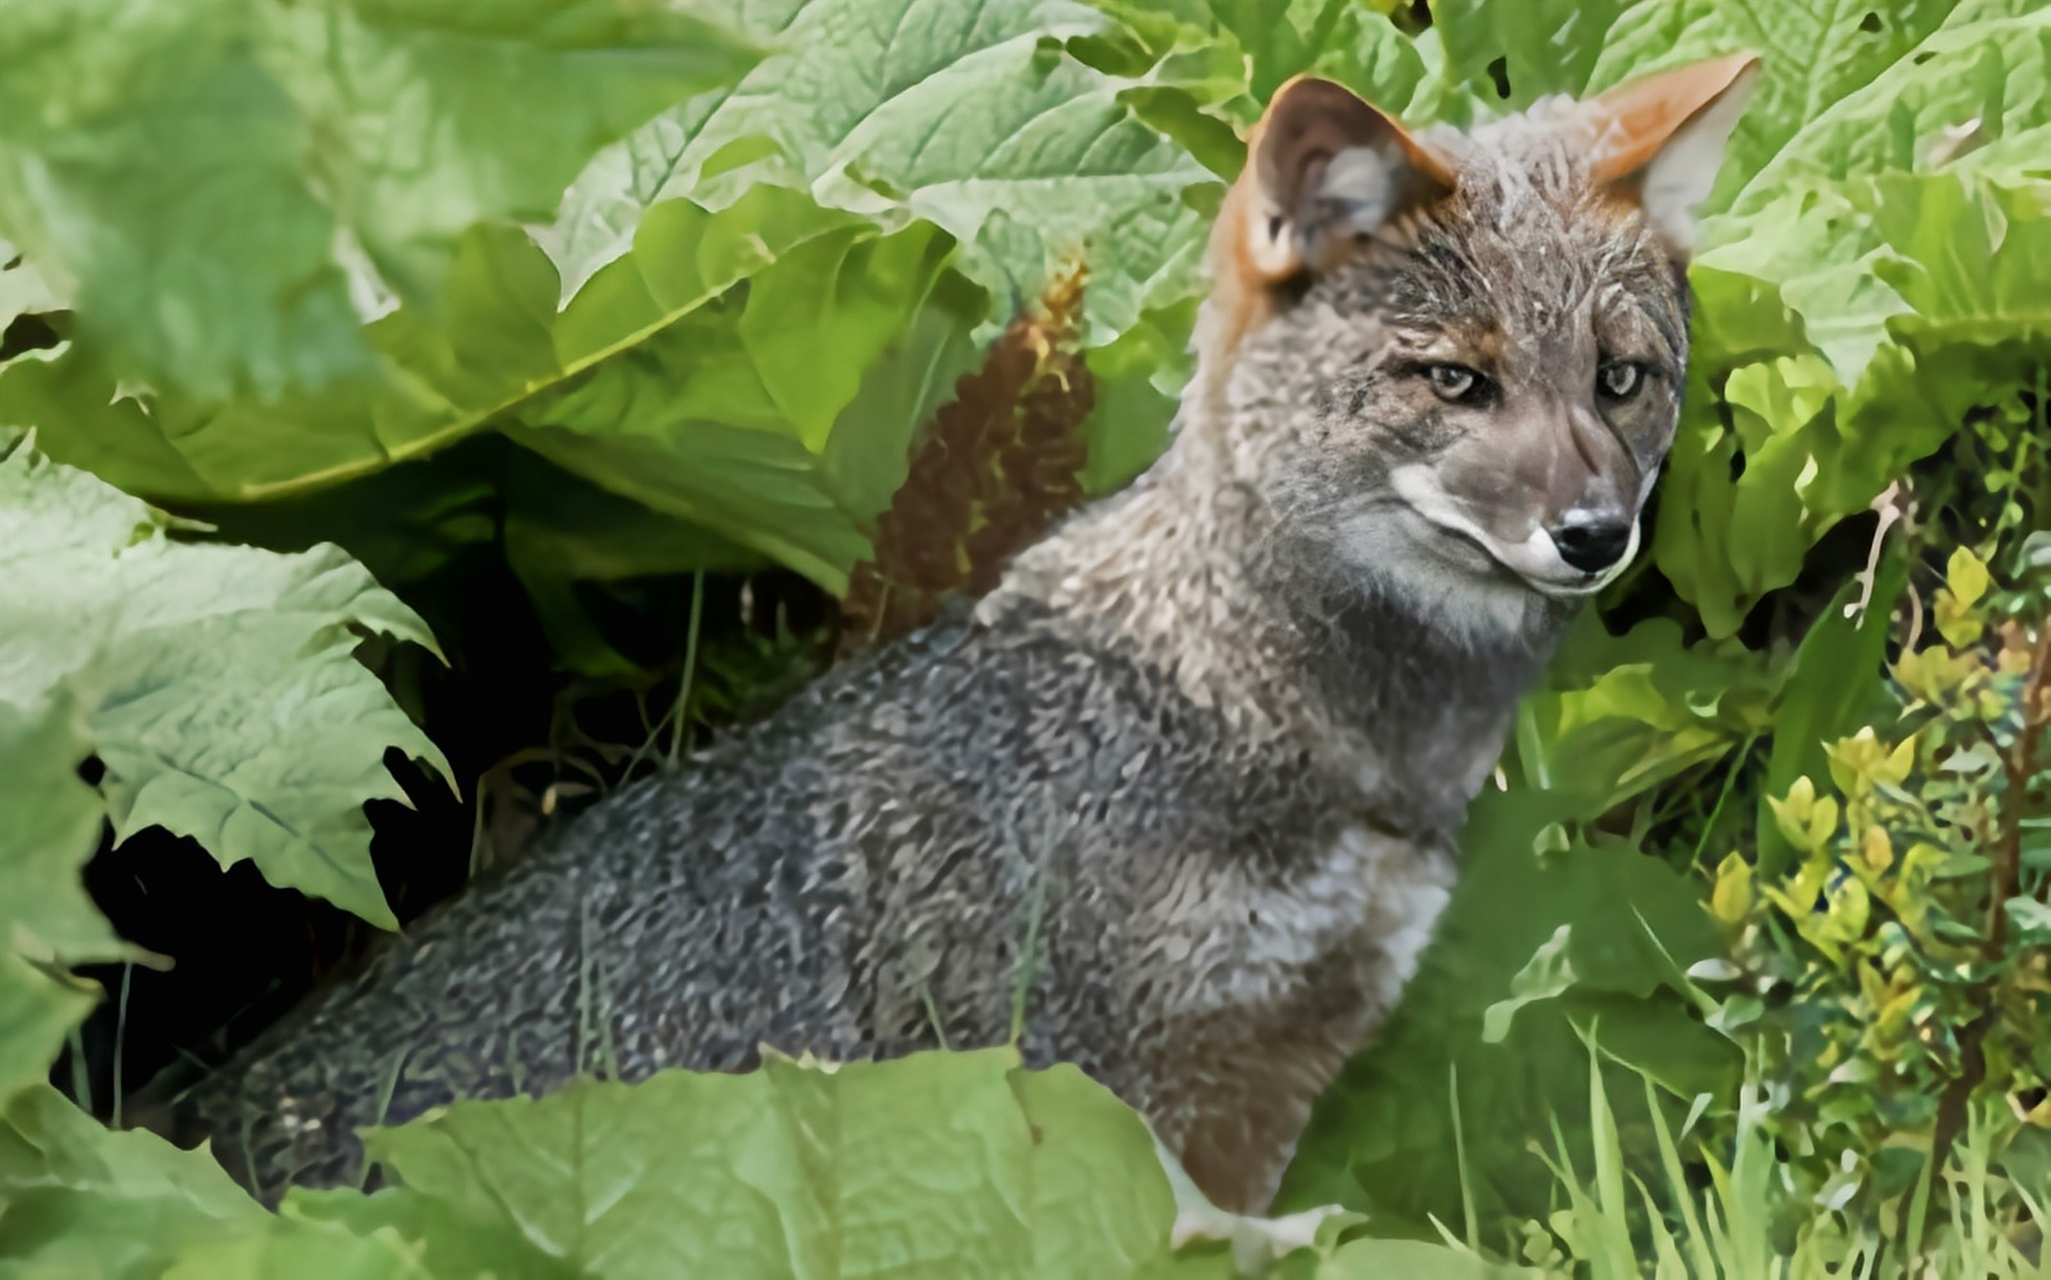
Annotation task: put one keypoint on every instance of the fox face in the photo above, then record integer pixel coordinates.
(1457, 359)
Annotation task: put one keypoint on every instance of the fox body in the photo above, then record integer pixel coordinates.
(1178, 802)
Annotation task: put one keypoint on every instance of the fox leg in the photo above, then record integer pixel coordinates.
(1256, 1242)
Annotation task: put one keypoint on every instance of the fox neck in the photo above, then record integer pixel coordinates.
(1190, 571)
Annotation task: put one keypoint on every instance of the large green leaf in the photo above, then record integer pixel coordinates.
(52, 826)
(23, 290)
(1804, 226)
(968, 116)
(78, 1200)
(1204, 69)
(46, 1143)
(1924, 297)
(776, 418)
(1626, 713)
(1139, 382)
(496, 342)
(215, 683)
(1854, 184)
(1541, 47)
(136, 131)
(725, 419)
(936, 1165)
(1986, 71)
(940, 1165)
(1814, 53)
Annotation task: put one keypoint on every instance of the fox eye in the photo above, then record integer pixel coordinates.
(1455, 383)
(1620, 379)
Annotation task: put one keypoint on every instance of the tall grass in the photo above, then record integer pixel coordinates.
(1613, 1225)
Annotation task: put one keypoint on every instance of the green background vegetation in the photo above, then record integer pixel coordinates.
(420, 418)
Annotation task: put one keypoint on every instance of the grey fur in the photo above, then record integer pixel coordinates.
(1211, 742)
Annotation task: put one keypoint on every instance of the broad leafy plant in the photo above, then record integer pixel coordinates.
(716, 340)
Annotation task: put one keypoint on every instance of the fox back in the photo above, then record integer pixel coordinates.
(1179, 801)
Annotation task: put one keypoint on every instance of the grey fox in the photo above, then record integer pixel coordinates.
(1185, 788)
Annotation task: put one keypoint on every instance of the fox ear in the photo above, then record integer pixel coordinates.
(1659, 140)
(1323, 168)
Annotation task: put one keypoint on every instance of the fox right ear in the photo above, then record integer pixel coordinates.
(1323, 170)
(1659, 140)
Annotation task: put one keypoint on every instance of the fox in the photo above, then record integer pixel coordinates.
(1179, 800)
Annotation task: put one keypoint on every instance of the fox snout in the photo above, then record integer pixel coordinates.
(1576, 542)
(1592, 541)
(1558, 511)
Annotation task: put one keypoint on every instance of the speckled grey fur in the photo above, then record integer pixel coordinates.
(1210, 746)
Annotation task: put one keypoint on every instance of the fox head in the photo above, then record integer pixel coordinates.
(1451, 363)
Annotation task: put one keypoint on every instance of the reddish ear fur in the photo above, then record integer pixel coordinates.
(1659, 140)
(1265, 233)
(1633, 122)
(1307, 125)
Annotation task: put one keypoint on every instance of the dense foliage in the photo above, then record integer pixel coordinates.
(467, 405)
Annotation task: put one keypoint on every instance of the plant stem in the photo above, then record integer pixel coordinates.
(676, 731)
(2020, 767)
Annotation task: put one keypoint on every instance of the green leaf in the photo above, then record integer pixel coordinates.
(1966, 575)
(77, 1199)
(1625, 713)
(450, 1243)
(37, 1011)
(1990, 64)
(52, 828)
(1814, 53)
(1923, 299)
(1549, 973)
(937, 1164)
(775, 420)
(1205, 68)
(1382, 1137)
(1409, 1260)
(1545, 46)
(723, 419)
(1849, 189)
(2031, 921)
(1800, 230)
(136, 129)
(47, 1143)
(1835, 685)
(496, 343)
(131, 131)
(285, 1249)
(1138, 388)
(23, 290)
(1785, 419)
(1341, 39)
(81, 421)
(1964, 258)
(215, 683)
(980, 125)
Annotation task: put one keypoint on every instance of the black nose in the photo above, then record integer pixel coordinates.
(1592, 546)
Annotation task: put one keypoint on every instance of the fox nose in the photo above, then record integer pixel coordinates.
(1591, 544)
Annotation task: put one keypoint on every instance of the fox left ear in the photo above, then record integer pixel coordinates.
(1323, 169)
(1660, 140)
